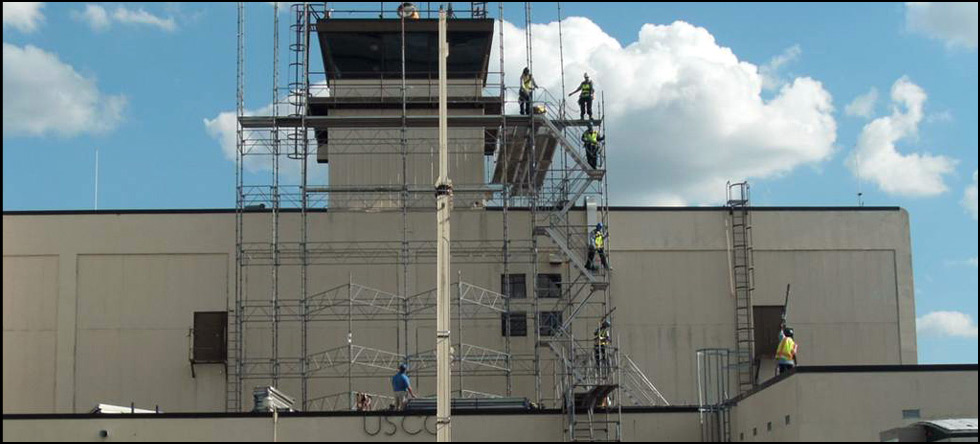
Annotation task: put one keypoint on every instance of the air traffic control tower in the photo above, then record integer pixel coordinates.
(374, 117)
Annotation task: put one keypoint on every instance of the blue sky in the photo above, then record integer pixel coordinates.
(144, 77)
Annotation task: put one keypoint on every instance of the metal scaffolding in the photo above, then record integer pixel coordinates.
(531, 164)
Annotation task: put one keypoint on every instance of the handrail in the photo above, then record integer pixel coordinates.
(635, 370)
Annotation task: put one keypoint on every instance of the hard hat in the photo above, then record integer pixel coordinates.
(586, 76)
(606, 324)
(598, 226)
(407, 9)
(402, 368)
(788, 332)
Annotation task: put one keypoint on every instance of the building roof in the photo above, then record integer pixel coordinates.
(289, 210)
(853, 369)
(953, 426)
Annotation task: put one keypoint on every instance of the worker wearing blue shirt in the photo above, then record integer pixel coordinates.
(402, 386)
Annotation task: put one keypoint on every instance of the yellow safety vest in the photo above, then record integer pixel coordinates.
(527, 83)
(599, 241)
(591, 137)
(602, 337)
(786, 352)
(586, 90)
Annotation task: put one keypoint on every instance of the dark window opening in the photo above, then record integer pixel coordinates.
(517, 288)
(767, 321)
(377, 54)
(549, 286)
(549, 322)
(210, 337)
(516, 322)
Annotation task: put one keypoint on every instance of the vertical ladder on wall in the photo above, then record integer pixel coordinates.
(298, 86)
(233, 389)
(743, 282)
(233, 376)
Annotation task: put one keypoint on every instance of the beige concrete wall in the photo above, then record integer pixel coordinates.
(372, 157)
(842, 407)
(647, 427)
(30, 327)
(104, 312)
(110, 298)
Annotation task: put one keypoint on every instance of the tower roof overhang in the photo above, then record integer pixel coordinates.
(358, 49)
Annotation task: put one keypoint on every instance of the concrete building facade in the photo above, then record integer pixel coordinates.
(97, 304)
(103, 307)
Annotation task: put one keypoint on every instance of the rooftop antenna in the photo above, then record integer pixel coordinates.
(857, 175)
(96, 178)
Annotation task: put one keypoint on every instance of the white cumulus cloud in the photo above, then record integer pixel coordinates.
(141, 17)
(954, 23)
(100, 19)
(863, 105)
(43, 95)
(685, 115)
(971, 262)
(223, 129)
(970, 199)
(877, 159)
(95, 16)
(23, 16)
(770, 72)
(947, 324)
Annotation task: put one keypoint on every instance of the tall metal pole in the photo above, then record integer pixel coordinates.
(305, 204)
(444, 193)
(403, 142)
(233, 399)
(275, 197)
(459, 332)
(508, 288)
(350, 341)
(96, 178)
(533, 203)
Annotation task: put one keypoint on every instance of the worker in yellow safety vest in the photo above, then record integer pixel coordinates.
(591, 139)
(603, 340)
(597, 245)
(408, 10)
(527, 89)
(585, 98)
(786, 352)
